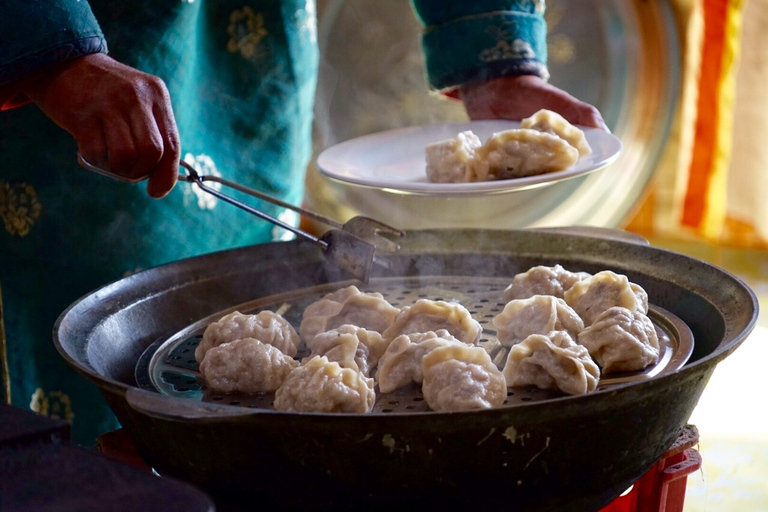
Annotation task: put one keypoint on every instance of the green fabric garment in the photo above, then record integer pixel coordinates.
(476, 41)
(242, 78)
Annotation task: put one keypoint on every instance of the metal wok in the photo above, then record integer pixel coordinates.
(569, 453)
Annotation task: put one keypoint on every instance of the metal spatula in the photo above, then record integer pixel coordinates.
(351, 246)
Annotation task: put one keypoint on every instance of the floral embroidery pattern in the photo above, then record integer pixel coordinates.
(283, 235)
(533, 6)
(504, 50)
(192, 193)
(306, 20)
(561, 49)
(554, 17)
(246, 31)
(129, 273)
(55, 405)
(19, 207)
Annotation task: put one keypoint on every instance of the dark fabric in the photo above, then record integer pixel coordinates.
(34, 34)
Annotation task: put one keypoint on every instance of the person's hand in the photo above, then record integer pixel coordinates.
(121, 117)
(518, 97)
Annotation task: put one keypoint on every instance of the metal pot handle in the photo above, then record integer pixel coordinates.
(159, 406)
(598, 232)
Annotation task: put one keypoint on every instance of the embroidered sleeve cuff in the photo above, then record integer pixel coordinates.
(36, 35)
(484, 47)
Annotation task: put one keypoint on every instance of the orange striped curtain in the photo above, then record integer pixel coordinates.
(704, 204)
(710, 148)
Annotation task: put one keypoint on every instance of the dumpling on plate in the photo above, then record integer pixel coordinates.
(551, 122)
(604, 290)
(351, 344)
(542, 280)
(552, 361)
(539, 314)
(401, 362)
(348, 305)
(432, 315)
(266, 326)
(453, 160)
(320, 385)
(461, 377)
(245, 365)
(621, 340)
(521, 152)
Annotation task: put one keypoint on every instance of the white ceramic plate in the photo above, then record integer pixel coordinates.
(395, 160)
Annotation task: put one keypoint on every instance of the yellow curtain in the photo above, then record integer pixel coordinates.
(712, 181)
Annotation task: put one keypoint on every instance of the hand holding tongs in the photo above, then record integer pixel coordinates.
(351, 246)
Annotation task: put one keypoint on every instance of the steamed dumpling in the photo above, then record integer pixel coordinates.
(347, 306)
(539, 314)
(349, 343)
(460, 377)
(320, 385)
(245, 366)
(453, 160)
(401, 362)
(604, 290)
(551, 122)
(266, 326)
(432, 315)
(542, 280)
(621, 340)
(642, 297)
(522, 152)
(552, 361)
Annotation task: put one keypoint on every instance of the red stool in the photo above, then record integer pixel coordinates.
(662, 488)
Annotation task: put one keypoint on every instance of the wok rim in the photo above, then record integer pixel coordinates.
(715, 357)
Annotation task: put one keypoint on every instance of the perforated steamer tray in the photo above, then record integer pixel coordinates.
(168, 366)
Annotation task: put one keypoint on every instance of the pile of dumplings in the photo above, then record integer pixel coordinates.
(562, 330)
(545, 142)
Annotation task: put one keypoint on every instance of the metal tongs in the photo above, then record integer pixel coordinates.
(350, 246)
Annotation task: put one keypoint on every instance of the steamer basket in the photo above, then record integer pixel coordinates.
(168, 366)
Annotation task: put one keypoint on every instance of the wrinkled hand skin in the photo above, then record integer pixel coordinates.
(518, 97)
(121, 118)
